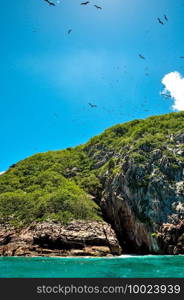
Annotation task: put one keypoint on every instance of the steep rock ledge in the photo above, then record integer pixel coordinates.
(78, 238)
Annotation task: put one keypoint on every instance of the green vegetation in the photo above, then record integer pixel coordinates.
(154, 235)
(58, 184)
(46, 195)
(153, 130)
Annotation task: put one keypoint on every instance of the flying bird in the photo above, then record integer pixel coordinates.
(50, 3)
(166, 18)
(141, 56)
(160, 21)
(85, 3)
(69, 31)
(97, 7)
(164, 94)
(182, 57)
(92, 105)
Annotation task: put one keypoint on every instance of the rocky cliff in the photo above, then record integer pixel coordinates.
(140, 198)
(131, 176)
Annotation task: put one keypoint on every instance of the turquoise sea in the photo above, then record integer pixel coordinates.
(112, 267)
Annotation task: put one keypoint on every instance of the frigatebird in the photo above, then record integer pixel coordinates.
(166, 18)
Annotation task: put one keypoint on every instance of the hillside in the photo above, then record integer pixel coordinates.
(131, 175)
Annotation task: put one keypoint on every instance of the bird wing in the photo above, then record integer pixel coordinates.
(160, 21)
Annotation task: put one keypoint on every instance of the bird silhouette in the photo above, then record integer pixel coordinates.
(141, 56)
(50, 3)
(182, 57)
(85, 3)
(97, 7)
(160, 21)
(92, 105)
(164, 94)
(166, 18)
(69, 31)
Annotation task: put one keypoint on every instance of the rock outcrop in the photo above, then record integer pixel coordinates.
(78, 238)
(142, 195)
(140, 198)
(171, 238)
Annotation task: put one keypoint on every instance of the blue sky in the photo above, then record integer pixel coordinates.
(48, 77)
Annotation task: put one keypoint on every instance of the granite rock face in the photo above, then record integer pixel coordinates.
(78, 238)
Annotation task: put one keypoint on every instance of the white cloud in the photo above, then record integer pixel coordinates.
(1, 173)
(174, 84)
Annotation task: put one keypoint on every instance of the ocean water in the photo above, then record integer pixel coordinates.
(112, 267)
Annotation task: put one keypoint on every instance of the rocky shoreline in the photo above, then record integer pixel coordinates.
(78, 238)
(171, 238)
